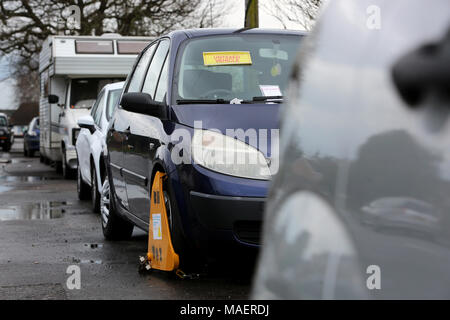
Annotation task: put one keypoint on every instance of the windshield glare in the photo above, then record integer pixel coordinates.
(237, 66)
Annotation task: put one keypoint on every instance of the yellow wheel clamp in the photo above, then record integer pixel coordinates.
(161, 254)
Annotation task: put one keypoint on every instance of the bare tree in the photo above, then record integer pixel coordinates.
(26, 87)
(24, 24)
(301, 12)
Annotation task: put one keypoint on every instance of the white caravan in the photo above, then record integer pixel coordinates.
(73, 70)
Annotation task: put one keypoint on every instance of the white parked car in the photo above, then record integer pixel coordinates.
(90, 142)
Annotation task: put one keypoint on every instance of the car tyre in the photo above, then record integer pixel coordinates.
(7, 147)
(95, 194)
(83, 188)
(114, 227)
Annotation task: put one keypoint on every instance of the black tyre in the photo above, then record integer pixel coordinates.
(31, 153)
(83, 189)
(25, 151)
(95, 194)
(41, 158)
(7, 147)
(114, 227)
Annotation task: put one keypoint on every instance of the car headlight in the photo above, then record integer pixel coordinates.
(227, 155)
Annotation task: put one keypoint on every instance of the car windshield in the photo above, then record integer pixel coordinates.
(36, 124)
(112, 102)
(234, 66)
(85, 91)
(3, 122)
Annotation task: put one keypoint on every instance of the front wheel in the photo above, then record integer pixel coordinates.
(114, 227)
(7, 147)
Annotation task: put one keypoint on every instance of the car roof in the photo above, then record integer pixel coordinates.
(114, 86)
(194, 33)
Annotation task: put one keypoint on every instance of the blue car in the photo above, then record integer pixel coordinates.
(202, 107)
(31, 138)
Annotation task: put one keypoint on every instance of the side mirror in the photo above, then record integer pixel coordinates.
(143, 103)
(52, 98)
(87, 122)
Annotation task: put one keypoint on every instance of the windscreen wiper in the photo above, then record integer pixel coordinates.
(274, 99)
(202, 101)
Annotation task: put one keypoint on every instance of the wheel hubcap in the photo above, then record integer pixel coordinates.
(105, 203)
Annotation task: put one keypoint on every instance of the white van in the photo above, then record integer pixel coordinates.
(73, 70)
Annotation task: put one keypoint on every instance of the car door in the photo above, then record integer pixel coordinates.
(119, 131)
(97, 137)
(143, 141)
(84, 142)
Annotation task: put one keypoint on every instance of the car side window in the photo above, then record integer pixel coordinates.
(139, 72)
(95, 106)
(161, 90)
(152, 77)
(98, 111)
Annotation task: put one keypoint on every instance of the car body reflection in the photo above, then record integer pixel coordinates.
(408, 214)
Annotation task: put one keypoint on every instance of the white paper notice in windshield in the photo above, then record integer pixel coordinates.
(270, 91)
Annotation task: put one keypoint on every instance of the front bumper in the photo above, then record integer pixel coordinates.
(240, 216)
(219, 209)
(71, 157)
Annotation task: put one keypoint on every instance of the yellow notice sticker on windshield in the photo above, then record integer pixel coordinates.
(226, 58)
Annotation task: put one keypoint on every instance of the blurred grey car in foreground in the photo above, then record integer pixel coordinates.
(360, 208)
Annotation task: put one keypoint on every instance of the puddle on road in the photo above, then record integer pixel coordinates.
(20, 160)
(94, 245)
(4, 188)
(26, 178)
(87, 261)
(43, 210)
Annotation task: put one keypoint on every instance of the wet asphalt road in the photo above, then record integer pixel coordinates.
(44, 229)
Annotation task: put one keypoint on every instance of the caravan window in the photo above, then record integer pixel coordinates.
(94, 47)
(131, 47)
(84, 91)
